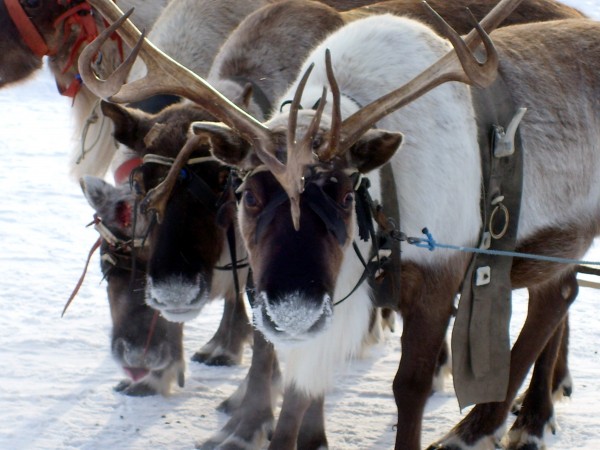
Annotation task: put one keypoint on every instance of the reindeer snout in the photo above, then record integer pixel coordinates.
(293, 318)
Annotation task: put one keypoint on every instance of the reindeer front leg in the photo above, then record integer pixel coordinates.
(252, 422)
(548, 305)
(312, 431)
(295, 405)
(426, 308)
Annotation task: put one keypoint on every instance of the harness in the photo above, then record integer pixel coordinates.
(480, 338)
(116, 253)
(79, 17)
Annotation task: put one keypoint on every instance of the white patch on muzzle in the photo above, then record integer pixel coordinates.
(178, 300)
(292, 318)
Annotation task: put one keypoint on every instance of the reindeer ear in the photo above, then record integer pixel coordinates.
(112, 204)
(225, 145)
(374, 149)
(131, 125)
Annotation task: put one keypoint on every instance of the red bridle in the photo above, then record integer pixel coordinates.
(27, 29)
(77, 17)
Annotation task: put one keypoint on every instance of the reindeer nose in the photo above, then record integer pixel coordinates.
(295, 317)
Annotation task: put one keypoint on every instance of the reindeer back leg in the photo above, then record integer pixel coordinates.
(548, 305)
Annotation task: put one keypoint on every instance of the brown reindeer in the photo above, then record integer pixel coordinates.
(148, 347)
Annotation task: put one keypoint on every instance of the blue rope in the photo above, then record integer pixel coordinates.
(431, 244)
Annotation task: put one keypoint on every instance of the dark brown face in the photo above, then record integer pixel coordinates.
(141, 343)
(186, 246)
(295, 272)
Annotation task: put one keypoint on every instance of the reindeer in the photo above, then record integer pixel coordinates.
(187, 252)
(296, 307)
(147, 347)
(190, 147)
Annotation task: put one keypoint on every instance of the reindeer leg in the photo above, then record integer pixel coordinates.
(425, 322)
(253, 421)
(226, 347)
(312, 431)
(443, 368)
(548, 305)
(562, 384)
(537, 411)
(295, 405)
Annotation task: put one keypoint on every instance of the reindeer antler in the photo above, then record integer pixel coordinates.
(299, 154)
(156, 199)
(458, 65)
(164, 76)
(167, 76)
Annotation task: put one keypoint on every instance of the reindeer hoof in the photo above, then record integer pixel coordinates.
(214, 360)
(227, 407)
(442, 447)
(528, 446)
(127, 387)
(122, 386)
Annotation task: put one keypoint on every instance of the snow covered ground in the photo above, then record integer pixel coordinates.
(57, 374)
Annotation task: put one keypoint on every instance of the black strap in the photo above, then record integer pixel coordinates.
(327, 210)
(199, 189)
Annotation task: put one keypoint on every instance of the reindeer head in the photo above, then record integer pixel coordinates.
(146, 346)
(59, 29)
(189, 237)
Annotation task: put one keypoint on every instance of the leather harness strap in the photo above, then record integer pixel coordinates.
(480, 338)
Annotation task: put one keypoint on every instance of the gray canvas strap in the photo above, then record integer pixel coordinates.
(480, 338)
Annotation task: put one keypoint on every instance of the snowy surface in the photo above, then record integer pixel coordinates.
(57, 374)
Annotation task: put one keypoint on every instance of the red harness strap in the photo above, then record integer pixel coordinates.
(87, 29)
(78, 17)
(28, 31)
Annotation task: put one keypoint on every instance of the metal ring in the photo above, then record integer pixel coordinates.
(506, 219)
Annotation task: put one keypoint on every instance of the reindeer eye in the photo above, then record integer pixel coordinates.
(250, 199)
(348, 200)
(316, 143)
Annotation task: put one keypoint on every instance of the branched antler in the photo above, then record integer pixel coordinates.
(164, 76)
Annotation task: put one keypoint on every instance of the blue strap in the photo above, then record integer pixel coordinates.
(431, 244)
